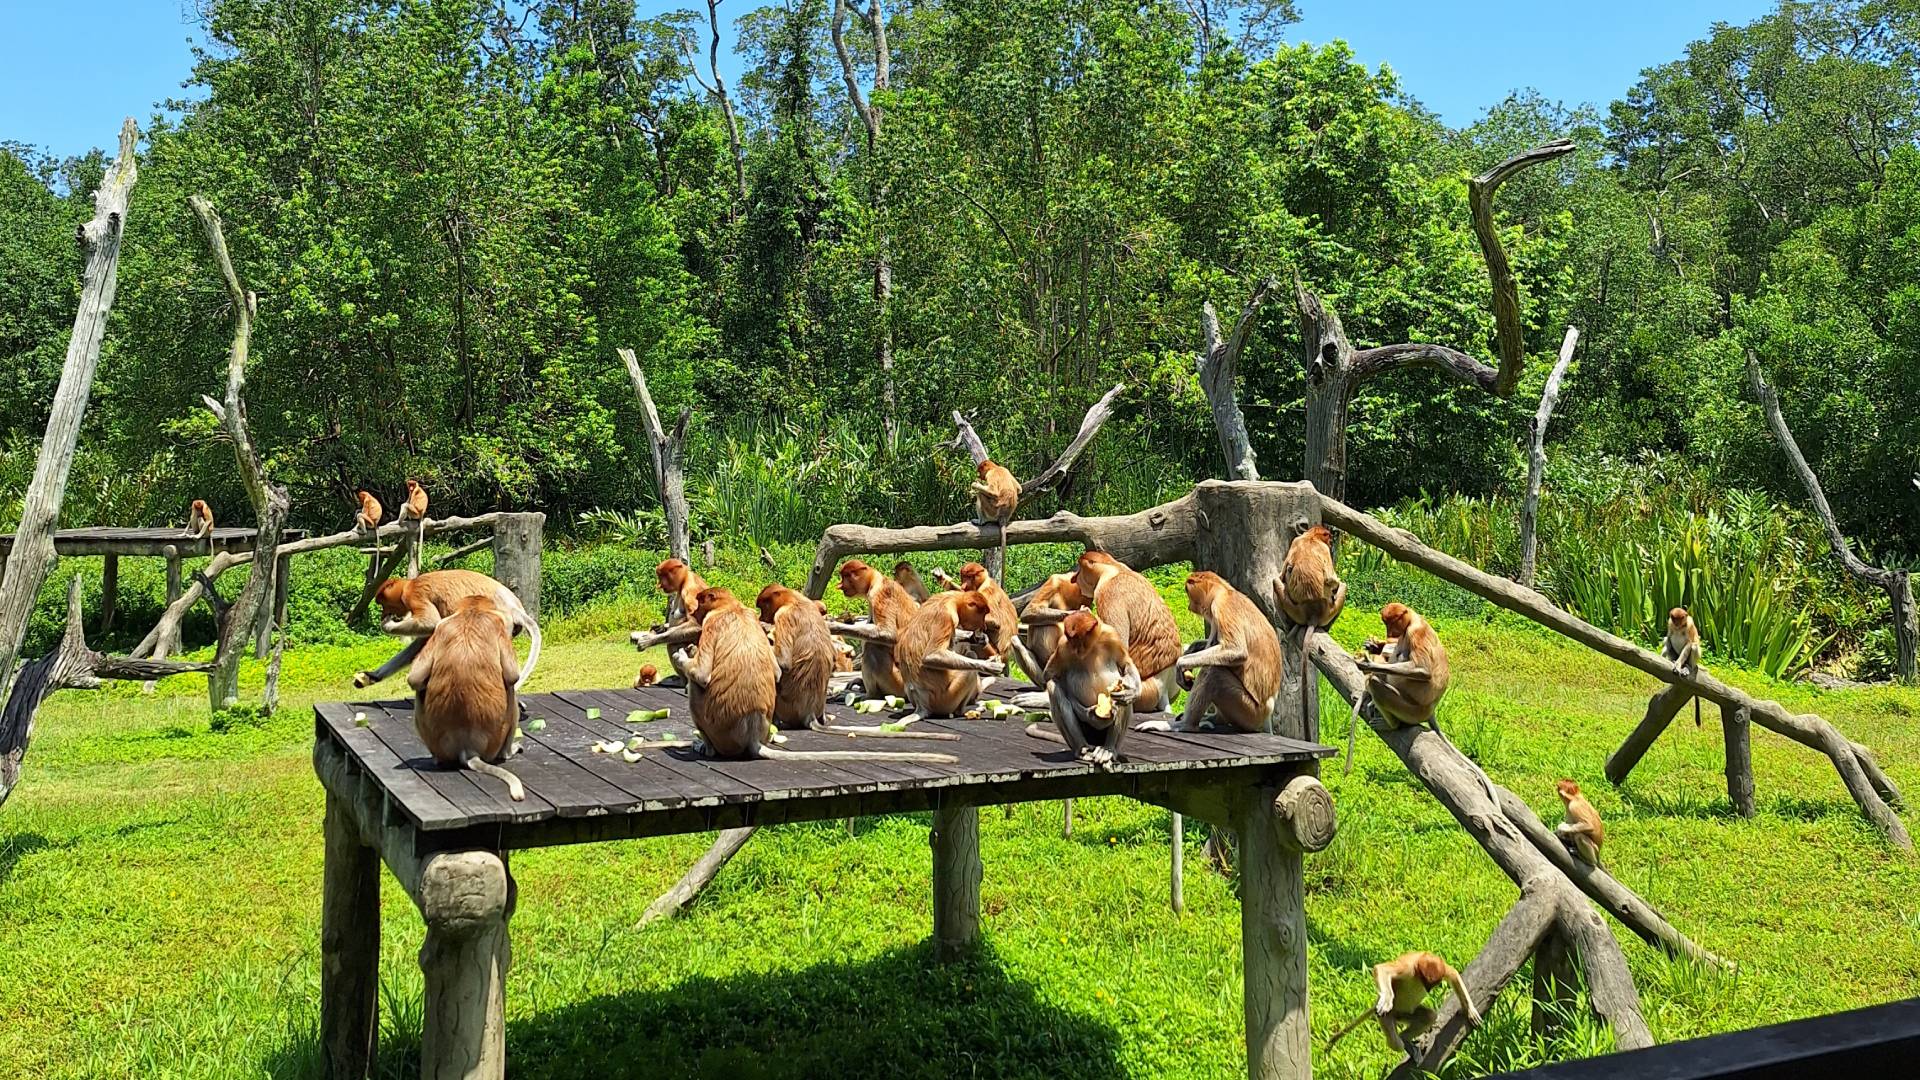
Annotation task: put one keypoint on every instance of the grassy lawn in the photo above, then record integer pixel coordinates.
(160, 896)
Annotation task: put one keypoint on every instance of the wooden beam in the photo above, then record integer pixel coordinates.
(1273, 937)
(517, 540)
(349, 947)
(1661, 709)
(956, 880)
(1737, 730)
(1529, 919)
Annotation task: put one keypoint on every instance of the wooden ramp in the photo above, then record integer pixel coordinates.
(574, 794)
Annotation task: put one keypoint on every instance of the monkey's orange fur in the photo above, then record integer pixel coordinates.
(682, 584)
(938, 691)
(1405, 701)
(1130, 604)
(909, 579)
(996, 494)
(1090, 660)
(370, 512)
(1310, 592)
(733, 703)
(1582, 827)
(1241, 694)
(974, 578)
(804, 651)
(416, 505)
(464, 701)
(1057, 593)
(891, 609)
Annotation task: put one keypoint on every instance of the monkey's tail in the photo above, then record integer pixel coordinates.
(1353, 726)
(860, 731)
(1046, 734)
(533, 654)
(472, 761)
(1306, 684)
(1351, 1024)
(1003, 551)
(855, 755)
(1696, 710)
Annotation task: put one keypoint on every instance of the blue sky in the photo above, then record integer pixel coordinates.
(65, 87)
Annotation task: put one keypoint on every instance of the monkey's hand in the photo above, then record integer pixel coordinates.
(362, 679)
(1374, 647)
(1473, 1017)
(1154, 725)
(1123, 692)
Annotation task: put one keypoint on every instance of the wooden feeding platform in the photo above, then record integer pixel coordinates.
(171, 544)
(445, 834)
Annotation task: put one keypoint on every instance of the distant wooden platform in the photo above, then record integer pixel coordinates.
(574, 794)
(154, 542)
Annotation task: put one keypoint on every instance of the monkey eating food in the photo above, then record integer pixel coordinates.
(413, 607)
(464, 681)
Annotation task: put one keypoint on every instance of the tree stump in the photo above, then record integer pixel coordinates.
(1244, 529)
(516, 556)
(1737, 727)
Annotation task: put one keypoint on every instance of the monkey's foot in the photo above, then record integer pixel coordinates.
(1099, 757)
(362, 679)
(1154, 725)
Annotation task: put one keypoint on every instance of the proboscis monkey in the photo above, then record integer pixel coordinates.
(1091, 686)
(1683, 648)
(807, 655)
(733, 684)
(415, 508)
(1401, 1005)
(1129, 603)
(1238, 667)
(1407, 681)
(1311, 595)
(996, 495)
(1581, 831)
(465, 699)
(681, 583)
(940, 682)
(1005, 643)
(891, 609)
(200, 523)
(367, 519)
(413, 607)
(647, 677)
(909, 579)
(1057, 593)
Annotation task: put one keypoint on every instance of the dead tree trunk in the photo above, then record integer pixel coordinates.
(1897, 584)
(1048, 477)
(1336, 370)
(668, 448)
(72, 664)
(1217, 364)
(1537, 461)
(872, 119)
(32, 555)
(719, 90)
(253, 608)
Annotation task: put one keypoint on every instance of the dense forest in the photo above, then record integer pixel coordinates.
(454, 211)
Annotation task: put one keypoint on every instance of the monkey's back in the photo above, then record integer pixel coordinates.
(1261, 673)
(467, 713)
(733, 710)
(1153, 638)
(932, 629)
(802, 692)
(449, 587)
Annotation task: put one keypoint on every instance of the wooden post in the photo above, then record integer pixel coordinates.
(466, 898)
(1273, 939)
(109, 589)
(1178, 889)
(263, 630)
(349, 947)
(1555, 985)
(282, 581)
(956, 880)
(1245, 527)
(516, 556)
(1661, 709)
(1737, 726)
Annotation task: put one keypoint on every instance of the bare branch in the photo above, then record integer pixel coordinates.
(667, 448)
(1506, 291)
(1217, 364)
(849, 73)
(1537, 461)
(1090, 425)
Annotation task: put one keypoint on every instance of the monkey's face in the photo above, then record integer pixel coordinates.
(1568, 790)
(1201, 587)
(671, 574)
(1677, 618)
(1396, 617)
(972, 576)
(1080, 628)
(856, 578)
(648, 674)
(392, 598)
(1091, 570)
(710, 602)
(974, 613)
(983, 468)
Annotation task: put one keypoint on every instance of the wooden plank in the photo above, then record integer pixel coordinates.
(483, 799)
(647, 784)
(405, 788)
(707, 785)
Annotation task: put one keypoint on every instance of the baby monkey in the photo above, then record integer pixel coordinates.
(1401, 1007)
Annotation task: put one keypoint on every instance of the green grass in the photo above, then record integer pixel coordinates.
(159, 894)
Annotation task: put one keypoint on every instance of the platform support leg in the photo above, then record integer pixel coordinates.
(467, 898)
(1273, 940)
(349, 948)
(956, 881)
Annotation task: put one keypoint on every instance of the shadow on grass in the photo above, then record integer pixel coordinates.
(1686, 805)
(896, 1015)
(19, 845)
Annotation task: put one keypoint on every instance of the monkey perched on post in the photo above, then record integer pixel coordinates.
(413, 607)
(733, 686)
(1401, 1007)
(1581, 831)
(200, 523)
(1311, 595)
(1091, 686)
(1129, 603)
(1238, 665)
(941, 682)
(891, 609)
(996, 495)
(1683, 648)
(465, 700)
